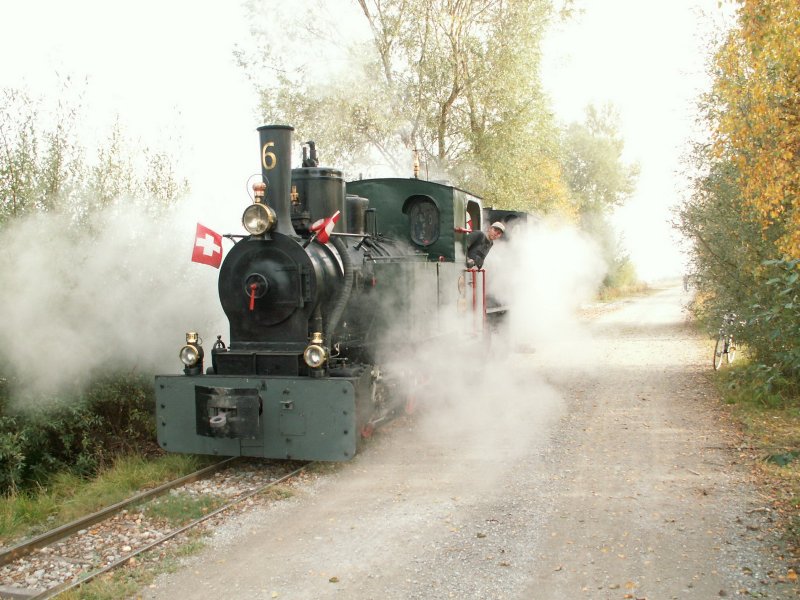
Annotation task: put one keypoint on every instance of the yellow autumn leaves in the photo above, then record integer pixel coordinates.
(757, 88)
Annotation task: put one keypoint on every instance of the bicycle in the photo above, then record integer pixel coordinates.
(725, 344)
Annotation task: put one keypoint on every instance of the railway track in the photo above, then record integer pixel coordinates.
(73, 554)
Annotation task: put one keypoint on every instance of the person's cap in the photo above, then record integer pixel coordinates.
(499, 225)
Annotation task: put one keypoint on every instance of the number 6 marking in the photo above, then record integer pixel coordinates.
(268, 159)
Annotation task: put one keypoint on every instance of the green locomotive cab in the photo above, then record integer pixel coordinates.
(432, 216)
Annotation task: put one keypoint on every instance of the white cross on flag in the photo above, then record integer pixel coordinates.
(323, 227)
(207, 247)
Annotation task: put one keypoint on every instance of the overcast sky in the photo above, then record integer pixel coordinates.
(166, 68)
(647, 57)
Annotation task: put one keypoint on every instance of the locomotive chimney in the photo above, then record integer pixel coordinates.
(276, 171)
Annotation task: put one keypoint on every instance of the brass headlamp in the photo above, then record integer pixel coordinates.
(315, 354)
(259, 218)
(191, 354)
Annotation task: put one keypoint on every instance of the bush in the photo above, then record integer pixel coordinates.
(776, 321)
(81, 432)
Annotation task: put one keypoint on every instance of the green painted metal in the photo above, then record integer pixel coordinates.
(390, 196)
(302, 418)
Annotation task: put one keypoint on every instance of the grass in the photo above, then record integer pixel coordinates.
(771, 427)
(609, 294)
(179, 509)
(67, 497)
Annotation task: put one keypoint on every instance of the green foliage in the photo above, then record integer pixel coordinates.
(776, 323)
(598, 178)
(742, 217)
(67, 496)
(727, 246)
(44, 169)
(456, 82)
(621, 274)
(599, 181)
(111, 176)
(39, 165)
(80, 432)
(734, 271)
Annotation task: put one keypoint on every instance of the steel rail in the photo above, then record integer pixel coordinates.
(68, 585)
(25, 548)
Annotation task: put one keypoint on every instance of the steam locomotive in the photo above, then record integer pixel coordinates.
(320, 310)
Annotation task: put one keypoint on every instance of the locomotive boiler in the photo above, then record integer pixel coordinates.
(320, 309)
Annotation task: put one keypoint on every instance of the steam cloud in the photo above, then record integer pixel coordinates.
(495, 401)
(120, 299)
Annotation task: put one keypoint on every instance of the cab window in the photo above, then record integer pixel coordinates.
(423, 217)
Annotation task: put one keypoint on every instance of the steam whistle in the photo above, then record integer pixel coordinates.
(310, 154)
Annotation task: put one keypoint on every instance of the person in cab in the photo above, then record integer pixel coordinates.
(479, 244)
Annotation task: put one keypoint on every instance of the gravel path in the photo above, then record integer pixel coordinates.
(600, 468)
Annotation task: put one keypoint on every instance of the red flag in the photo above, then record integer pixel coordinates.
(323, 227)
(207, 247)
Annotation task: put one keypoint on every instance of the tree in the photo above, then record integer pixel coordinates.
(599, 180)
(112, 176)
(456, 81)
(20, 155)
(743, 216)
(43, 168)
(756, 114)
(40, 165)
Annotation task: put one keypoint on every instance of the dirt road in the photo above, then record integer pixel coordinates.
(601, 468)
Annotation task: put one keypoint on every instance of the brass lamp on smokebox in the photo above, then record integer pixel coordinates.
(259, 218)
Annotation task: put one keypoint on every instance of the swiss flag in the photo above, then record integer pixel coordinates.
(207, 247)
(323, 227)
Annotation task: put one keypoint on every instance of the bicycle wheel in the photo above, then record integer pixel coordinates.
(719, 350)
(731, 353)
